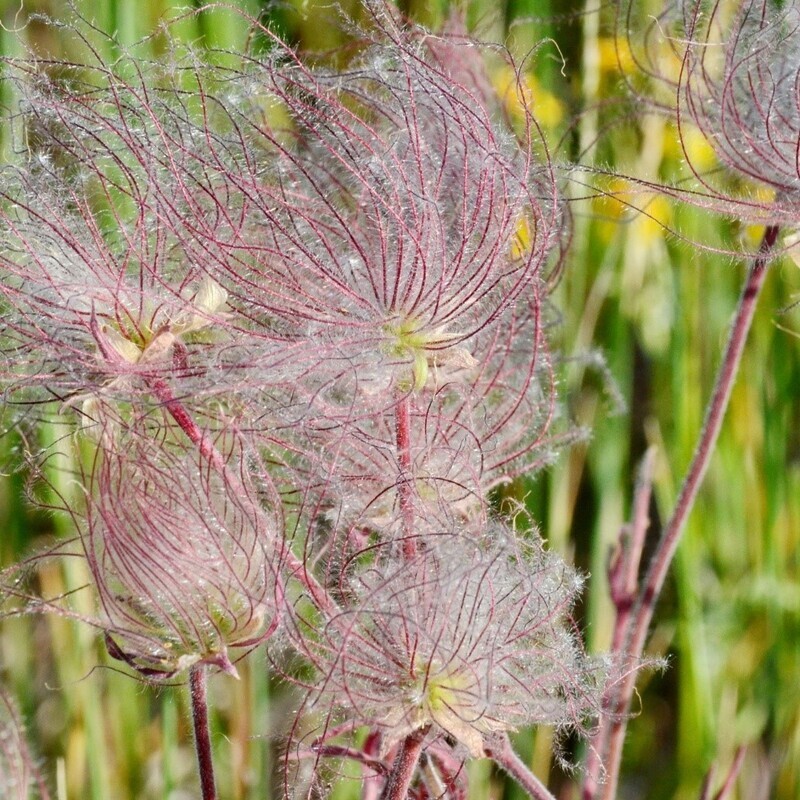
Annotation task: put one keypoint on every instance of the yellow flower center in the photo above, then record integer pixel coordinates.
(408, 339)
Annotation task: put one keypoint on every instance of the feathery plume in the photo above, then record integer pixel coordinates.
(183, 562)
(740, 84)
(470, 638)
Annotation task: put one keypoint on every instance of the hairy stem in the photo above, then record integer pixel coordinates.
(202, 736)
(623, 579)
(504, 756)
(403, 438)
(205, 444)
(612, 730)
(404, 767)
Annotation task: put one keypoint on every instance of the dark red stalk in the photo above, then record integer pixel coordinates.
(202, 736)
(611, 733)
(405, 764)
(403, 437)
(179, 413)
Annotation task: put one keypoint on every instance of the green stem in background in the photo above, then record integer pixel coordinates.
(202, 735)
(611, 733)
(506, 758)
(404, 767)
(169, 742)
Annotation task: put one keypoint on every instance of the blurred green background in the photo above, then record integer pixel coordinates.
(644, 315)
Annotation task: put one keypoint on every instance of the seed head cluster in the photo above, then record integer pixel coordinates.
(299, 315)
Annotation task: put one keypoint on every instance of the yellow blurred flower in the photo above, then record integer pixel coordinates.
(692, 144)
(615, 55)
(525, 92)
(651, 222)
(521, 243)
(753, 234)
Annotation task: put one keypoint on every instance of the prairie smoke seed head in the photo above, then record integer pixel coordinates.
(402, 220)
(471, 637)
(105, 286)
(182, 559)
(740, 84)
(462, 439)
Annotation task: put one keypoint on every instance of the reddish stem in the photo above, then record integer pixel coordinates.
(404, 767)
(341, 751)
(624, 574)
(623, 582)
(196, 434)
(202, 736)
(730, 779)
(505, 757)
(44, 792)
(403, 438)
(611, 734)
